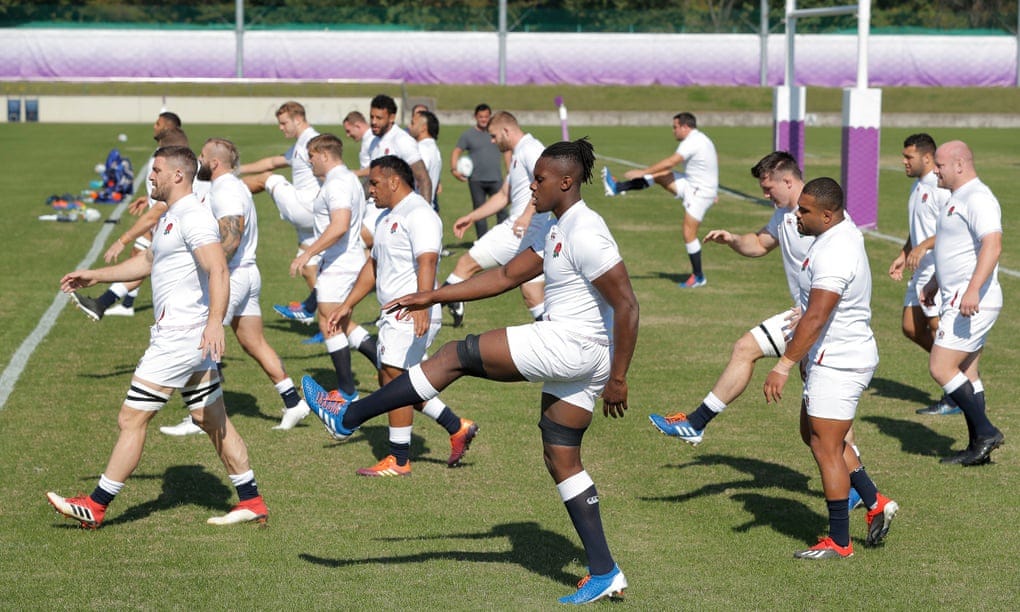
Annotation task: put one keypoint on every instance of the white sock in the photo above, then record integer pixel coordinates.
(284, 385)
(420, 383)
(119, 289)
(240, 479)
(110, 486)
(453, 279)
(433, 408)
(693, 247)
(574, 486)
(336, 343)
(357, 336)
(401, 435)
(537, 311)
(714, 404)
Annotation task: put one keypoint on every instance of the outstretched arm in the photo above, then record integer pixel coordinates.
(493, 205)
(266, 164)
(748, 245)
(519, 270)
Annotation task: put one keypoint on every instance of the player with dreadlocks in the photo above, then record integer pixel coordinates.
(588, 292)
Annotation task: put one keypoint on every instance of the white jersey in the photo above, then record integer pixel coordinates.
(301, 169)
(926, 199)
(433, 162)
(971, 214)
(405, 232)
(180, 290)
(792, 244)
(701, 164)
(200, 188)
(838, 262)
(578, 250)
(341, 190)
(521, 174)
(365, 153)
(395, 142)
(230, 197)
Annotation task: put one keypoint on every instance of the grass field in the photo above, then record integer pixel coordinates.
(711, 527)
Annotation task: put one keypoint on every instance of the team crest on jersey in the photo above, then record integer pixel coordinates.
(951, 209)
(924, 198)
(169, 226)
(393, 228)
(804, 265)
(557, 249)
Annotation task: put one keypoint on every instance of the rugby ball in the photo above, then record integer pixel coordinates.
(91, 214)
(465, 166)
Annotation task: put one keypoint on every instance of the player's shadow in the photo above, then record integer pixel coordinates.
(244, 404)
(761, 475)
(542, 552)
(786, 516)
(915, 438)
(182, 485)
(118, 371)
(894, 389)
(672, 277)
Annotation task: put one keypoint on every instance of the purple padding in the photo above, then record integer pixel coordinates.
(860, 174)
(789, 136)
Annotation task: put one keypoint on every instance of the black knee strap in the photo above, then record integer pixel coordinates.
(470, 356)
(559, 435)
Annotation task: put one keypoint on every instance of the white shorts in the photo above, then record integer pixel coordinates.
(496, 247)
(295, 207)
(696, 204)
(337, 278)
(916, 285)
(398, 346)
(245, 287)
(173, 357)
(773, 333)
(959, 333)
(831, 393)
(574, 367)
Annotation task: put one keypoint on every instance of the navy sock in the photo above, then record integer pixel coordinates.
(109, 298)
(865, 487)
(700, 417)
(102, 497)
(344, 374)
(696, 263)
(290, 397)
(449, 421)
(398, 392)
(839, 521)
(400, 452)
(128, 301)
(248, 490)
(311, 303)
(974, 409)
(584, 513)
(631, 185)
(370, 349)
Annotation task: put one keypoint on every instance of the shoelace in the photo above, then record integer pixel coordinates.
(583, 581)
(678, 416)
(331, 402)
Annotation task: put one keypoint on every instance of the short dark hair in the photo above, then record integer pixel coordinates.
(172, 137)
(384, 102)
(775, 163)
(826, 192)
(330, 143)
(431, 123)
(182, 157)
(395, 165)
(483, 107)
(172, 118)
(922, 142)
(686, 119)
(579, 152)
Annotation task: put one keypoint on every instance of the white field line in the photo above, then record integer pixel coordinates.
(13, 371)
